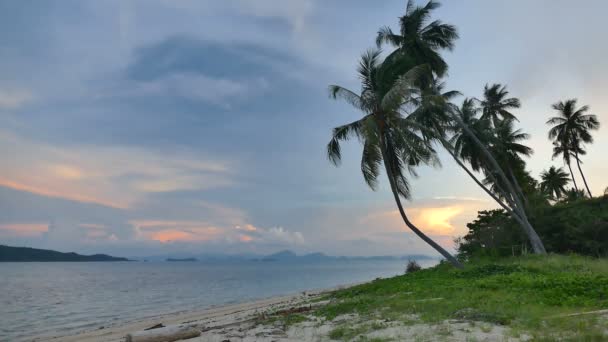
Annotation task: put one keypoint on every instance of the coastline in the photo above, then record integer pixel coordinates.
(208, 320)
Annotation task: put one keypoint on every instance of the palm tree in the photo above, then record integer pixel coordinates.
(571, 128)
(495, 104)
(473, 142)
(573, 195)
(387, 136)
(420, 39)
(561, 148)
(554, 182)
(508, 150)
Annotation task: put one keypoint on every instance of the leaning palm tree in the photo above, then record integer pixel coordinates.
(508, 150)
(420, 39)
(554, 182)
(473, 141)
(495, 104)
(571, 128)
(387, 136)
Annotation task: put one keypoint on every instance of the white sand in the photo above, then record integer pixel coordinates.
(242, 323)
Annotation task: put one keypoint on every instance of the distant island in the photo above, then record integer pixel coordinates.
(26, 254)
(287, 255)
(183, 259)
(282, 256)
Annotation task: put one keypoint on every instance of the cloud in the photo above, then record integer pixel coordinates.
(23, 229)
(115, 176)
(294, 12)
(14, 98)
(196, 87)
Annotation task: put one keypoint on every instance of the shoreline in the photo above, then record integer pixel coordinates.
(208, 319)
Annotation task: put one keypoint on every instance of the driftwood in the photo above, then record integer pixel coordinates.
(165, 334)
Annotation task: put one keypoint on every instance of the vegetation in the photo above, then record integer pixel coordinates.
(412, 266)
(533, 295)
(569, 226)
(554, 182)
(570, 130)
(407, 112)
(8, 253)
(389, 134)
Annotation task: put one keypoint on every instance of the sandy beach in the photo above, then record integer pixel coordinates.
(257, 321)
(218, 323)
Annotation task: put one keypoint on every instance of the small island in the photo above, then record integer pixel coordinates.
(183, 259)
(26, 254)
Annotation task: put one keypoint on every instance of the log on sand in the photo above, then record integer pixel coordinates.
(165, 334)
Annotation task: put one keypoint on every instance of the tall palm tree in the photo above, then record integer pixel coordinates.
(496, 105)
(473, 141)
(571, 128)
(554, 182)
(566, 151)
(420, 39)
(508, 150)
(387, 136)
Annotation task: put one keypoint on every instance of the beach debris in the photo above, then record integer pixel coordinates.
(164, 334)
(156, 326)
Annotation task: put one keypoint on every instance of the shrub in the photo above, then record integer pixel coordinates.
(412, 266)
(579, 227)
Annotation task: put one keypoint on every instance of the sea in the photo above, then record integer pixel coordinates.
(62, 298)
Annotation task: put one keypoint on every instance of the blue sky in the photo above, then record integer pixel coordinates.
(149, 127)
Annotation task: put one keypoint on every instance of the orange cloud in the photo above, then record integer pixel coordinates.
(172, 235)
(245, 238)
(247, 227)
(66, 172)
(168, 231)
(25, 229)
(41, 190)
(435, 220)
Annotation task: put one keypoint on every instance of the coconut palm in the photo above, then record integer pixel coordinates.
(463, 143)
(508, 150)
(496, 105)
(570, 129)
(573, 195)
(387, 136)
(562, 149)
(420, 39)
(473, 141)
(554, 182)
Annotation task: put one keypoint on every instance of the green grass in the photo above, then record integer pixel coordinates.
(527, 293)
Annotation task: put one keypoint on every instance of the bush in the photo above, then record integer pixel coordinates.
(412, 266)
(579, 227)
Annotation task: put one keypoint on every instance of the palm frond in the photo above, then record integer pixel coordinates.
(338, 92)
(342, 133)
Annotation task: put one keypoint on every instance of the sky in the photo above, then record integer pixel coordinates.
(141, 128)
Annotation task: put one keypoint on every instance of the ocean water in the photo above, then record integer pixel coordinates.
(63, 298)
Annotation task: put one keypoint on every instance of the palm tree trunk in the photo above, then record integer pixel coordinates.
(578, 163)
(510, 211)
(537, 245)
(572, 175)
(517, 187)
(410, 225)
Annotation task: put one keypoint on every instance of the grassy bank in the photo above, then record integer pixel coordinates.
(535, 298)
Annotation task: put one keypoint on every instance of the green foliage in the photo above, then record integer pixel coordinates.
(554, 182)
(493, 233)
(532, 294)
(578, 226)
(412, 266)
